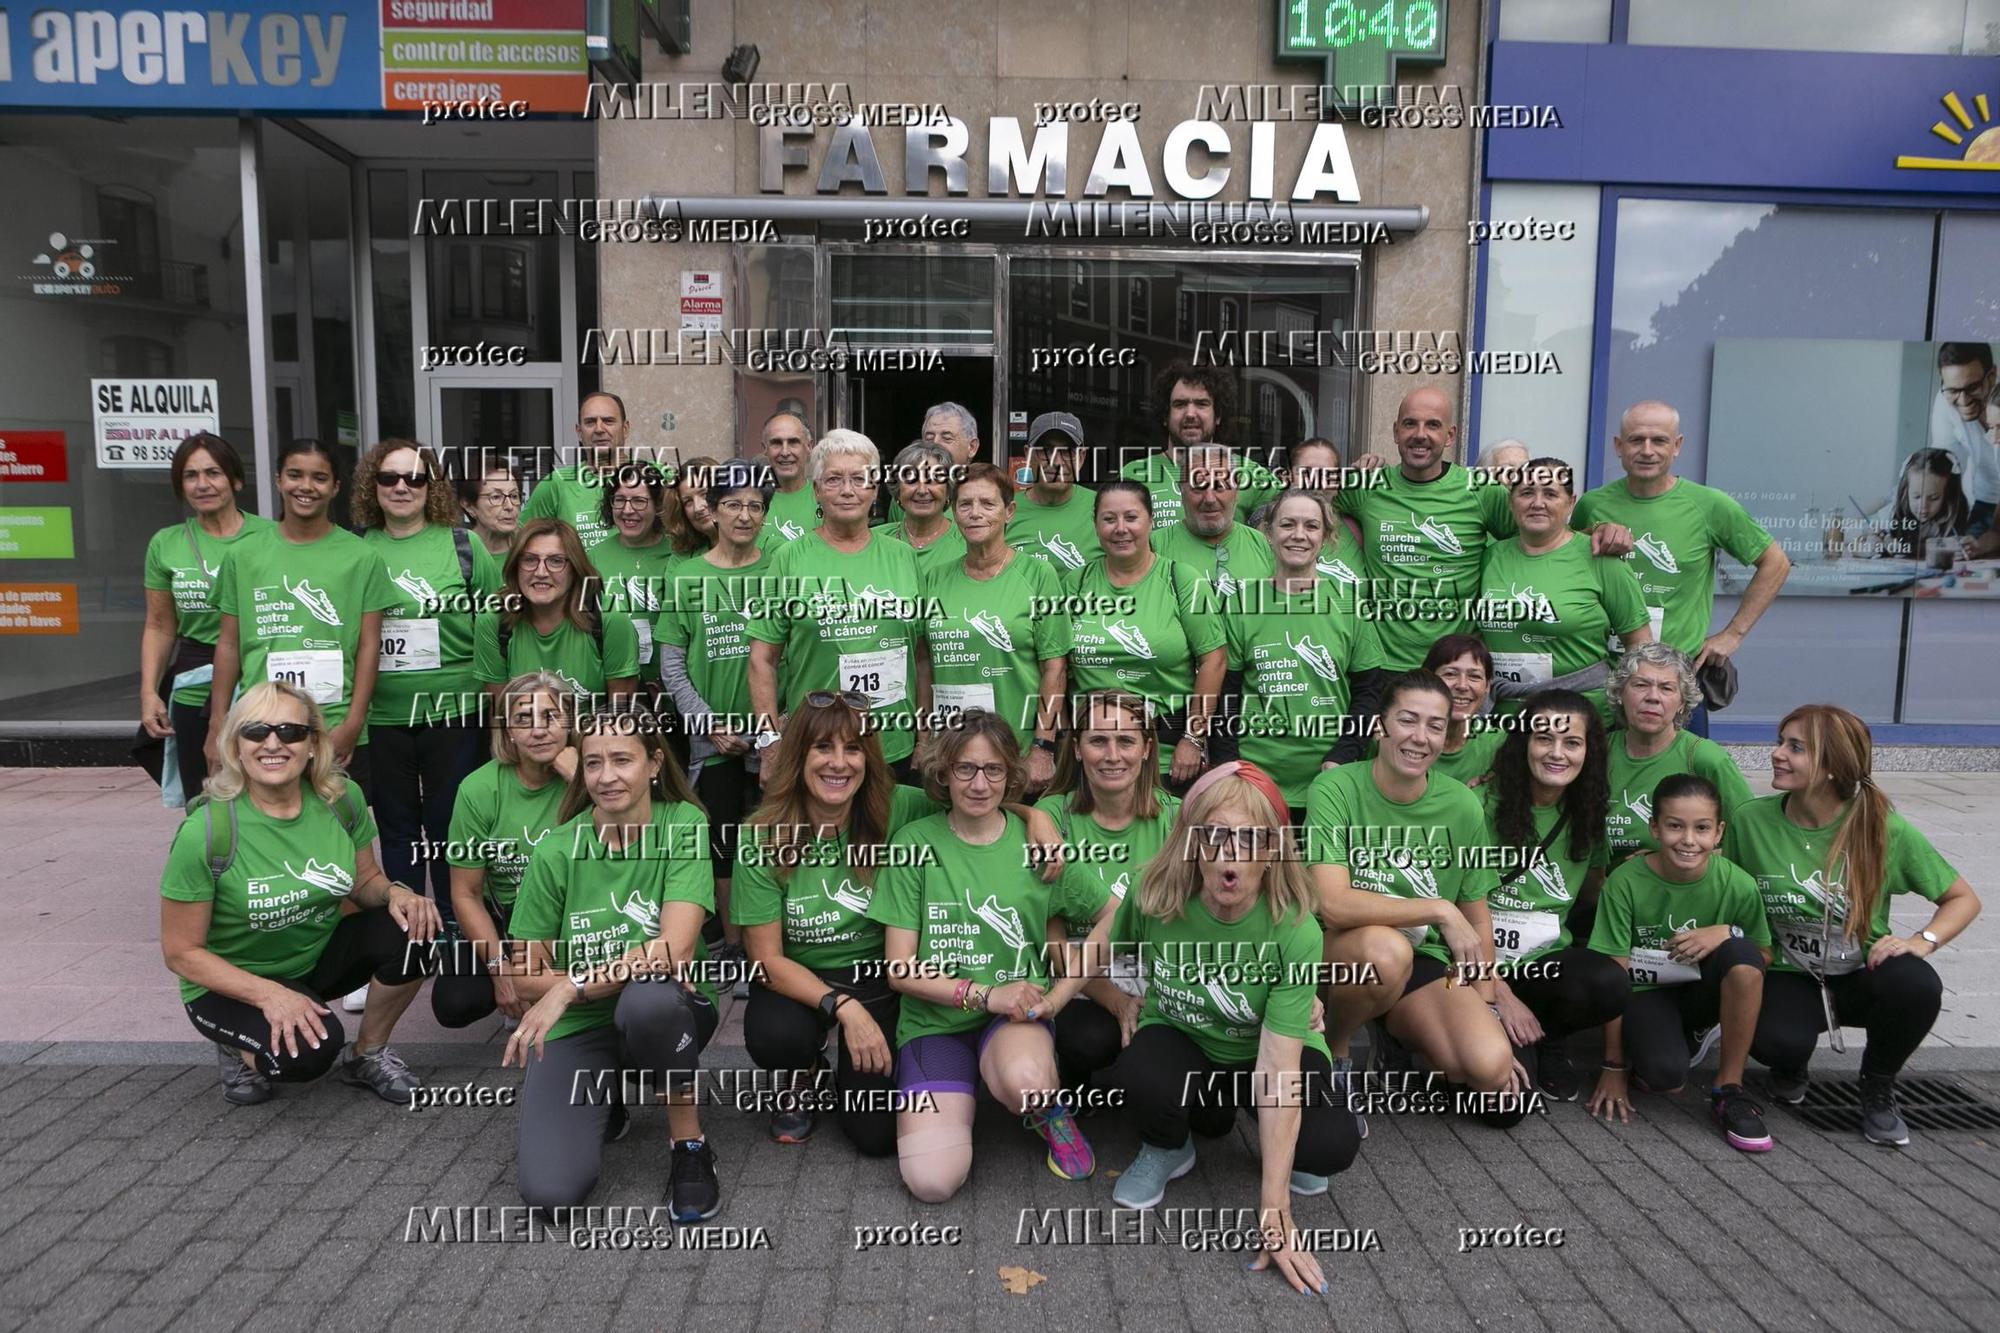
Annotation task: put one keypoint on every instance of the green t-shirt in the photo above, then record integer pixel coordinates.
(1531, 907)
(188, 568)
(1241, 557)
(1161, 476)
(823, 901)
(635, 582)
(298, 610)
(1674, 539)
(988, 638)
(846, 622)
(1118, 856)
(947, 548)
(1428, 848)
(1472, 760)
(1223, 983)
(1629, 819)
(1788, 864)
(570, 652)
(496, 823)
(1299, 653)
(1424, 541)
(1638, 911)
(1064, 535)
(566, 495)
(1342, 559)
(981, 912)
(1547, 615)
(425, 666)
(593, 904)
(790, 516)
(704, 613)
(274, 909)
(1143, 639)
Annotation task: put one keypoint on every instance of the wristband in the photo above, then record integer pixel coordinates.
(958, 995)
(577, 982)
(1615, 1067)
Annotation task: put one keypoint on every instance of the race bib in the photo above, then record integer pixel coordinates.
(958, 698)
(315, 670)
(1414, 934)
(1656, 616)
(1657, 967)
(1525, 668)
(883, 676)
(1518, 934)
(644, 628)
(410, 645)
(1804, 948)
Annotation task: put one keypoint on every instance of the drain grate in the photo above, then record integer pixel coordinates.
(1926, 1103)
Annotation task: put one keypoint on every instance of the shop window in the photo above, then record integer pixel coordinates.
(130, 222)
(1555, 21)
(1540, 298)
(902, 299)
(127, 355)
(1907, 27)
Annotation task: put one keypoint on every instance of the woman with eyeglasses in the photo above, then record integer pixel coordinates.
(844, 611)
(1113, 815)
(489, 495)
(996, 636)
(636, 560)
(611, 907)
(1222, 923)
(1653, 690)
(177, 648)
(302, 604)
(967, 922)
(925, 493)
(550, 619)
(1829, 853)
(504, 809)
(423, 721)
(272, 902)
(1148, 626)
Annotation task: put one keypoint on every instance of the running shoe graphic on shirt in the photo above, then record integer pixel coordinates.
(1829, 898)
(1231, 1003)
(1422, 880)
(1440, 534)
(1529, 604)
(850, 897)
(1066, 552)
(1658, 552)
(883, 602)
(313, 600)
(1129, 638)
(789, 530)
(1641, 807)
(417, 586)
(1550, 876)
(639, 594)
(991, 628)
(575, 685)
(322, 875)
(1004, 921)
(1315, 656)
(1121, 885)
(638, 909)
(213, 571)
(1338, 569)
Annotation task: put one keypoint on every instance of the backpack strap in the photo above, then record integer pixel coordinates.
(461, 541)
(222, 851)
(350, 808)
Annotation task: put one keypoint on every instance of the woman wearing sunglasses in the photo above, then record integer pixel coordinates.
(1829, 852)
(635, 559)
(302, 604)
(550, 619)
(611, 908)
(504, 809)
(272, 901)
(423, 718)
(1223, 927)
(967, 922)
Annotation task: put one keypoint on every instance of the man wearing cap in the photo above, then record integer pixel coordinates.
(1054, 519)
(1196, 403)
(1208, 539)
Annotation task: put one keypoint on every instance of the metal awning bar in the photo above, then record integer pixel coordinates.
(1131, 217)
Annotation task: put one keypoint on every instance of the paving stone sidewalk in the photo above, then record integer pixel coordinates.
(132, 1198)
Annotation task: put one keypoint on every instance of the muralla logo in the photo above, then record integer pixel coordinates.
(1657, 551)
(313, 600)
(1982, 154)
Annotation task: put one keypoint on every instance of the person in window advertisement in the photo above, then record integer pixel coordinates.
(1967, 381)
(1930, 507)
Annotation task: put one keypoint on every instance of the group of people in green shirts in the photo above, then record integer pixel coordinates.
(1175, 788)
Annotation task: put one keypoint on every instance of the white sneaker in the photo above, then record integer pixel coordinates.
(356, 1001)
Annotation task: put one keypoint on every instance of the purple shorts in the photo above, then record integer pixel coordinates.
(947, 1061)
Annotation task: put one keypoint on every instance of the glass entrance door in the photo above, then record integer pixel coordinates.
(515, 419)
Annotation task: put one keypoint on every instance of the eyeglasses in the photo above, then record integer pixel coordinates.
(1229, 839)
(291, 733)
(753, 508)
(527, 720)
(555, 564)
(416, 481)
(1970, 393)
(631, 502)
(964, 772)
(828, 698)
(847, 482)
(502, 498)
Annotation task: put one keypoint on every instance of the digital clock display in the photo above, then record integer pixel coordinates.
(1334, 25)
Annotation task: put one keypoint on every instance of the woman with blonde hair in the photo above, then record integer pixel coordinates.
(551, 619)
(1828, 852)
(1224, 929)
(272, 901)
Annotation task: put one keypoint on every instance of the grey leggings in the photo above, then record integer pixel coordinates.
(657, 1031)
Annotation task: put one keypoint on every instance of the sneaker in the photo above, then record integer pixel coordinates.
(1144, 1183)
(1306, 1184)
(693, 1195)
(1343, 1084)
(1555, 1075)
(1386, 1055)
(1742, 1120)
(383, 1073)
(1788, 1086)
(741, 990)
(1701, 1043)
(356, 1001)
(791, 1125)
(242, 1085)
(619, 1125)
(1069, 1152)
(1881, 1122)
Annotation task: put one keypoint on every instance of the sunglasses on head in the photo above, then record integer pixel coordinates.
(828, 698)
(291, 733)
(416, 481)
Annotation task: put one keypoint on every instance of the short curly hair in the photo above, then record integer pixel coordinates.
(365, 507)
(1218, 380)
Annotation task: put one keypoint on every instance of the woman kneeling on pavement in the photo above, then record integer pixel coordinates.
(272, 900)
(1223, 925)
(612, 906)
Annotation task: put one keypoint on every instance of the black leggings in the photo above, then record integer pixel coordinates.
(1573, 989)
(1896, 1002)
(1087, 1040)
(412, 784)
(1657, 1021)
(728, 791)
(463, 991)
(190, 735)
(1171, 1087)
(782, 1034)
(367, 945)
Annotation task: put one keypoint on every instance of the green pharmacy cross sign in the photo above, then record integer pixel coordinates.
(1363, 42)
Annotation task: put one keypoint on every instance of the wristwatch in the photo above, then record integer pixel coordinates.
(828, 1003)
(1736, 932)
(1930, 939)
(764, 741)
(1044, 744)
